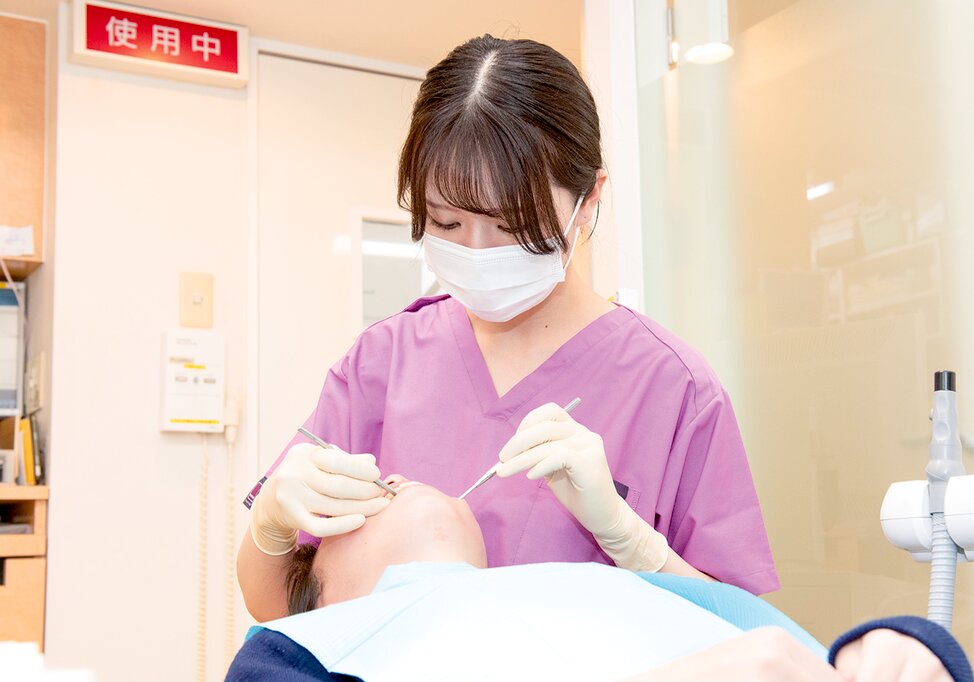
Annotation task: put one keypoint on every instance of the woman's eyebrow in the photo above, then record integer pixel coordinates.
(446, 207)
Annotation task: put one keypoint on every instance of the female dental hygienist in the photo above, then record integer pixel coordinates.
(502, 171)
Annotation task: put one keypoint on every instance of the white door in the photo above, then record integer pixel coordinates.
(328, 147)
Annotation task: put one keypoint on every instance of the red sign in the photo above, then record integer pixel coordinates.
(162, 42)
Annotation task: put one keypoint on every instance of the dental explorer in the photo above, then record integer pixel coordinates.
(493, 470)
(304, 432)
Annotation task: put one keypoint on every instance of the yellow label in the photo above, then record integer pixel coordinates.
(194, 421)
(189, 366)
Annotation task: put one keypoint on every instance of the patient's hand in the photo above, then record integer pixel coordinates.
(888, 655)
(768, 654)
(760, 655)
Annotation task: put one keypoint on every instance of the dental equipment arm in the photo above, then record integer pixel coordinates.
(572, 459)
(945, 463)
(933, 519)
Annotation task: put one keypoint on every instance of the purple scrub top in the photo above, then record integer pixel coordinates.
(415, 391)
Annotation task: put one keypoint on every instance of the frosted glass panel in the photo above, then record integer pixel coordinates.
(809, 229)
(394, 272)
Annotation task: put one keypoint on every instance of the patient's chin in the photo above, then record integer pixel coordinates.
(438, 528)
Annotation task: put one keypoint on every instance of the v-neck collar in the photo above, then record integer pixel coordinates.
(502, 407)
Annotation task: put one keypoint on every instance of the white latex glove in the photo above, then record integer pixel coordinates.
(761, 655)
(322, 491)
(886, 655)
(572, 459)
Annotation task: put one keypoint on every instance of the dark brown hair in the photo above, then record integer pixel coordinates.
(303, 586)
(495, 124)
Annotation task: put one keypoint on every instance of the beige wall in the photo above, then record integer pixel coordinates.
(609, 66)
(151, 180)
(414, 33)
(825, 317)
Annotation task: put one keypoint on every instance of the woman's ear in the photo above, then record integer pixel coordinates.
(591, 202)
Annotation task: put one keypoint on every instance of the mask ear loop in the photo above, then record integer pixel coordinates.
(571, 222)
(595, 223)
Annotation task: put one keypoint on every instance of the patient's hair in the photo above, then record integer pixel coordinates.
(303, 586)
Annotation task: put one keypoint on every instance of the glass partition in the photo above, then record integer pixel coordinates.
(809, 208)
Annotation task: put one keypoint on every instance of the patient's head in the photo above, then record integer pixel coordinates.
(420, 524)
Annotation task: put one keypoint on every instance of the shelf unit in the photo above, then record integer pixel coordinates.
(900, 279)
(23, 564)
(22, 137)
(24, 201)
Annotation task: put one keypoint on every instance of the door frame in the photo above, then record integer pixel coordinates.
(259, 47)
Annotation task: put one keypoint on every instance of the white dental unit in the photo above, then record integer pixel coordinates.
(933, 519)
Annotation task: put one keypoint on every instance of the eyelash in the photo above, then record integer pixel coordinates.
(451, 226)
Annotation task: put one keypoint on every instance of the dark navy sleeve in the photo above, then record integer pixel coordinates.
(934, 637)
(270, 656)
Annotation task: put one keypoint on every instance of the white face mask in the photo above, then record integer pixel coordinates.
(497, 284)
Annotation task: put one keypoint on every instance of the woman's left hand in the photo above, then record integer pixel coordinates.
(572, 459)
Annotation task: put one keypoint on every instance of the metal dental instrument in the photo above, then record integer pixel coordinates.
(304, 432)
(493, 470)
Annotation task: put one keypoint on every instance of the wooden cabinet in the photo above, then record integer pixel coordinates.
(22, 135)
(23, 563)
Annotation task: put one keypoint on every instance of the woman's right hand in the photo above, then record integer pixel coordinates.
(322, 491)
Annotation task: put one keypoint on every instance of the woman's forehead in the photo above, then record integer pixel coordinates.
(482, 203)
(442, 205)
(476, 198)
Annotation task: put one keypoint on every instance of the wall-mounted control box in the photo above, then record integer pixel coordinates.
(193, 382)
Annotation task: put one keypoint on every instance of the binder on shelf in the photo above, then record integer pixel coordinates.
(8, 466)
(38, 454)
(11, 437)
(11, 348)
(26, 440)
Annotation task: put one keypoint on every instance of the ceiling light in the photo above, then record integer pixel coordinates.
(701, 27)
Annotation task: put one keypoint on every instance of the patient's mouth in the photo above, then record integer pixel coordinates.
(399, 483)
